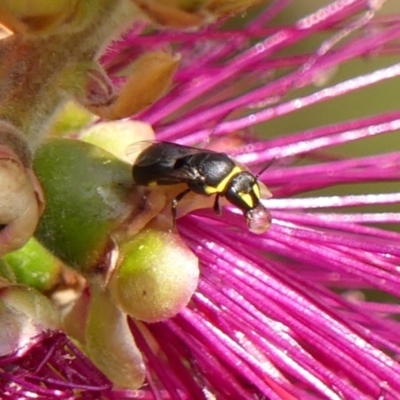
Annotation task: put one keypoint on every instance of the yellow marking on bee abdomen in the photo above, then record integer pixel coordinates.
(222, 185)
(210, 189)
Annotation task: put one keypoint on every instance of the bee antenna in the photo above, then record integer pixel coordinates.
(265, 167)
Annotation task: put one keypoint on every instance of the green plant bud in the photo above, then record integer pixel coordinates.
(24, 313)
(128, 132)
(189, 5)
(89, 194)
(110, 344)
(34, 266)
(6, 273)
(224, 8)
(156, 277)
(71, 118)
(37, 15)
(75, 317)
(37, 8)
(21, 200)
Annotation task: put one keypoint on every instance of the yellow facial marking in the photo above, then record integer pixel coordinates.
(256, 190)
(247, 199)
(154, 183)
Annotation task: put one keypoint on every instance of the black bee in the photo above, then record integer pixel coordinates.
(205, 172)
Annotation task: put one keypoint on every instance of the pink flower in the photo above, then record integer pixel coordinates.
(293, 313)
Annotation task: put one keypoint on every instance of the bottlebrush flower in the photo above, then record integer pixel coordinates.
(293, 313)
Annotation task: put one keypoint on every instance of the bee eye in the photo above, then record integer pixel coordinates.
(258, 219)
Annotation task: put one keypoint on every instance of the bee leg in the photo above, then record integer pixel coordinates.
(217, 206)
(174, 204)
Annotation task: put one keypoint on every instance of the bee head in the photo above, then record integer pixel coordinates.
(243, 191)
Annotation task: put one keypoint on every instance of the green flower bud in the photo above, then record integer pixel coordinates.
(24, 313)
(156, 277)
(110, 343)
(34, 266)
(89, 196)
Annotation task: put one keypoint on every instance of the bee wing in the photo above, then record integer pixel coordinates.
(158, 151)
(133, 150)
(157, 162)
(265, 192)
